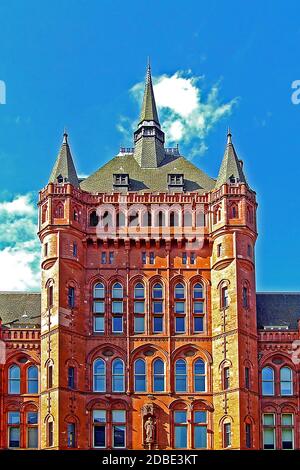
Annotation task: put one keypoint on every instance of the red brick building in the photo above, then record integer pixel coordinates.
(148, 332)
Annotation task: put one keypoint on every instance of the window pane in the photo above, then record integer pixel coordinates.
(198, 307)
(269, 439)
(268, 388)
(179, 307)
(99, 416)
(117, 324)
(139, 324)
(200, 384)
(139, 307)
(159, 384)
(99, 306)
(99, 436)
(32, 417)
(32, 438)
(157, 291)
(117, 307)
(13, 417)
(285, 373)
(200, 416)
(198, 291)
(269, 419)
(118, 436)
(99, 324)
(118, 416)
(180, 324)
(287, 438)
(139, 291)
(140, 383)
(180, 437)
(99, 291)
(287, 419)
(180, 384)
(179, 291)
(200, 437)
(180, 416)
(158, 324)
(157, 307)
(267, 374)
(198, 324)
(117, 292)
(118, 384)
(14, 437)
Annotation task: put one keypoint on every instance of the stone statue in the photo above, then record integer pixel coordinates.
(149, 429)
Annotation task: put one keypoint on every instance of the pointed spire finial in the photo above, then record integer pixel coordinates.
(65, 136)
(229, 135)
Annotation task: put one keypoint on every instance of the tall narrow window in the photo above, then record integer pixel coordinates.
(287, 431)
(180, 429)
(71, 297)
(71, 435)
(198, 308)
(247, 378)
(117, 308)
(245, 297)
(99, 308)
(248, 432)
(32, 380)
(14, 429)
(151, 257)
(199, 376)
(118, 429)
(224, 297)
(140, 376)
(192, 258)
(226, 378)
(139, 308)
(200, 429)
(50, 296)
(219, 249)
(32, 429)
(50, 434)
(75, 250)
(99, 428)
(118, 377)
(267, 381)
(269, 431)
(227, 434)
(14, 380)
(157, 308)
(179, 299)
(99, 376)
(144, 257)
(111, 257)
(103, 257)
(184, 258)
(50, 376)
(158, 376)
(180, 376)
(286, 381)
(71, 377)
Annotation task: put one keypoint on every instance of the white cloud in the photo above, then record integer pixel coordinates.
(19, 245)
(187, 112)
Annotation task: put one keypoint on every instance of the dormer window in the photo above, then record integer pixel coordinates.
(121, 181)
(175, 181)
(60, 179)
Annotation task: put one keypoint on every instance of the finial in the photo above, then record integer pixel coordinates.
(229, 135)
(65, 136)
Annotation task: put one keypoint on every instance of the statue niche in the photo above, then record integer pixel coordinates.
(149, 426)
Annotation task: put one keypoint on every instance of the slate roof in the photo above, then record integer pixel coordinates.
(149, 111)
(64, 165)
(278, 309)
(14, 305)
(148, 179)
(231, 166)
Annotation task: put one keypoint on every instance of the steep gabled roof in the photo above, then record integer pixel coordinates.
(64, 169)
(231, 169)
(149, 111)
(281, 309)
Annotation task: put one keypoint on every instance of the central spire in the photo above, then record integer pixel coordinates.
(149, 139)
(149, 111)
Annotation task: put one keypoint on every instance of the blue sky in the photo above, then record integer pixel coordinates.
(79, 64)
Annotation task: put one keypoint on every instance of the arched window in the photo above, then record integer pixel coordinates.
(174, 218)
(121, 220)
(99, 376)
(234, 211)
(267, 375)
(14, 380)
(158, 376)
(157, 308)
(94, 219)
(118, 377)
(32, 379)
(117, 308)
(99, 307)
(198, 308)
(224, 297)
(180, 376)
(286, 381)
(245, 297)
(199, 376)
(179, 298)
(160, 219)
(139, 308)
(140, 376)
